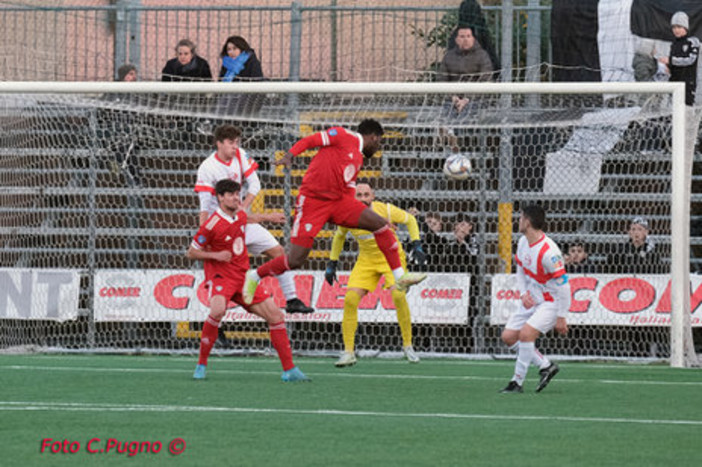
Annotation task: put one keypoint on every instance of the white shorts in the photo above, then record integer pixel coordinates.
(542, 317)
(258, 239)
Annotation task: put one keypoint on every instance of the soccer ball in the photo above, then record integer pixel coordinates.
(457, 167)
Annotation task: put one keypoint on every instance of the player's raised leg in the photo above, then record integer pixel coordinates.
(387, 243)
(287, 285)
(294, 259)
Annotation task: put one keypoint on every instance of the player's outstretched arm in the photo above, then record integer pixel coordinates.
(274, 217)
(315, 140)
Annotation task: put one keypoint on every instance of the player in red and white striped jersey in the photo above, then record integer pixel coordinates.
(327, 194)
(545, 294)
(221, 244)
(232, 162)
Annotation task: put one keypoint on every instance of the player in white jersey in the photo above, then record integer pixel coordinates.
(232, 162)
(545, 294)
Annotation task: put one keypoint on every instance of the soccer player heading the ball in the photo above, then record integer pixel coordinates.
(369, 268)
(220, 243)
(545, 294)
(327, 194)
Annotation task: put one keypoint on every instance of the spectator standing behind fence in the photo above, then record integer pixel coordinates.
(684, 52)
(577, 260)
(239, 63)
(431, 226)
(187, 66)
(468, 61)
(462, 249)
(637, 256)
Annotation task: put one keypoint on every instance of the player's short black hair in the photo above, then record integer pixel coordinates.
(370, 127)
(536, 215)
(226, 186)
(223, 132)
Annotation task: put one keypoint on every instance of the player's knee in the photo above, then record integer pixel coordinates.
(352, 299)
(295, 262)
(217, 313)
(528, 334)
(509, 337)
(269, 311)
(276, 316)
(218, 306)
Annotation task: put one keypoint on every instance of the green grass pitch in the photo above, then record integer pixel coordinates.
(377, 413)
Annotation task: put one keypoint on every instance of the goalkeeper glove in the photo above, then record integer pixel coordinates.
(330, 273)
(416, 254)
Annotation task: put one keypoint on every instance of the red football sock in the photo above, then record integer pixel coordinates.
(281, 343)
(387, 242)
(274, 267)
(209, 336)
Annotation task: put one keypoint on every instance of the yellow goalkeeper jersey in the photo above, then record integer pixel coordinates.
(367, 248)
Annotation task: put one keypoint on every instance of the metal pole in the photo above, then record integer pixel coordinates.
(92, 227)
(295, 40)
(533, 54)
(135, 33)
(505, 207)
(334, 39)
(120, 56)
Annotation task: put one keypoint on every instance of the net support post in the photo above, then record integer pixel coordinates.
(680, 331)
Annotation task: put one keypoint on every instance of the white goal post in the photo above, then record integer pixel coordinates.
(352, 106)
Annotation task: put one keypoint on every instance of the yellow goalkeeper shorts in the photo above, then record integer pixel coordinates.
(366, 274)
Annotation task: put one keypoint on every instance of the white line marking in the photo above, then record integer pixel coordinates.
(342, 374)
(79, 407)
(503, 360)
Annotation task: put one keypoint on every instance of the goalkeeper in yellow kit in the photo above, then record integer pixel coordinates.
(370, 267)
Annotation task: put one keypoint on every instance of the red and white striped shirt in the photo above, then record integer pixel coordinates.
(241, 168)
(541, 268)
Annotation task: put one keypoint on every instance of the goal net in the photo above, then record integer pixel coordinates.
(97, 209)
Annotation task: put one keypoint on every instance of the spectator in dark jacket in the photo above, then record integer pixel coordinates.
(431, 227)
(187, 66)
(684, 52)
(239, 64)
(239, 61)
(578, 259)
(468, 61)
(637, 256)
(462, 248)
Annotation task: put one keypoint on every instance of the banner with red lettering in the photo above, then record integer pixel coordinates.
(44, 294)
(605, 299)
(177, 295)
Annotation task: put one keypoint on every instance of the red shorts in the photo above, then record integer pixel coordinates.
(312, 213)
(231, 290)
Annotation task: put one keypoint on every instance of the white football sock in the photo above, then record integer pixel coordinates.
(540, 360)
(287, 285)
(397, 273)
(524, 357)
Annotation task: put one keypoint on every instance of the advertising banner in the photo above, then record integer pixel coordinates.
(177, 295)
(41, 294)
(642, 300)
